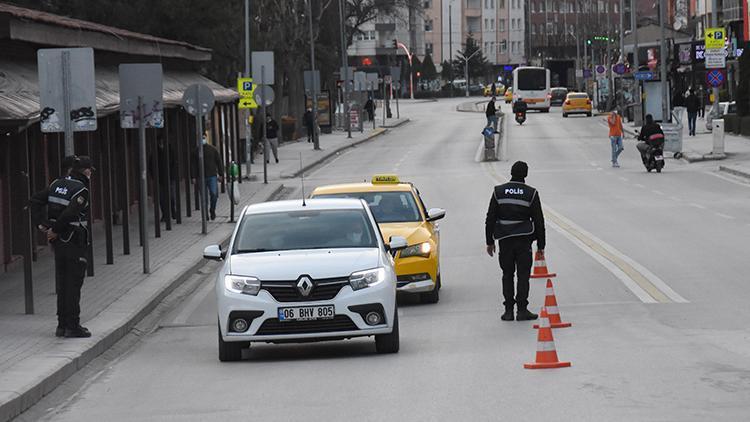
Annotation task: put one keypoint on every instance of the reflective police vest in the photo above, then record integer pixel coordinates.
(60, 193)
(514, 210)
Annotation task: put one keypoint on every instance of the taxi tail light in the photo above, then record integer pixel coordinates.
(588, 102)
(567, 102)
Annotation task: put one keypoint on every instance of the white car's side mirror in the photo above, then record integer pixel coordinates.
(396, 243)
(435, 214)
(213, 252)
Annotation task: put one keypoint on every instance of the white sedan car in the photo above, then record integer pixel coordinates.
(296, 272)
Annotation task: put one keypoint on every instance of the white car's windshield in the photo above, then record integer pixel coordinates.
(386, 207)
(315, 229)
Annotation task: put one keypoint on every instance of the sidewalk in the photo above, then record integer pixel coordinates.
(33, 361)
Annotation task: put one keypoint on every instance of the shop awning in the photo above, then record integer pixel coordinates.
(19, 91)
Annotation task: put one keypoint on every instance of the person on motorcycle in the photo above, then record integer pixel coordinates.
(520, 106)
(650, 135)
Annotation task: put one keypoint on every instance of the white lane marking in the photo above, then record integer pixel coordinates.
(638, 185)
(624, 179)
(658, 192)
(674, 198)
(730, 179)
(639, 292)
(593, 164)
(693, 204)
(728, 217)
(480, 149)
(195, 301)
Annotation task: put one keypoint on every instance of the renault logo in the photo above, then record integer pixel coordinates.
(304, 285)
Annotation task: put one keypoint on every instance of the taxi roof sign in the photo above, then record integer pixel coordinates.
(385, 179)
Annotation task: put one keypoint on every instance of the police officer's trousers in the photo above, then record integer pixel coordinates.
(70, 269)
(514, 254)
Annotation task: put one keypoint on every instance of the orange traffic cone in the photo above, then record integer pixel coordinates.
(546, 355)
(550, 304)
(540, 267)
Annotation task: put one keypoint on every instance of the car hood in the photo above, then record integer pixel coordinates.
(414, 233)
(316, 263)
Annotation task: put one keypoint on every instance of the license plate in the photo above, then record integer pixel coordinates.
(659, 158)
(307, 313)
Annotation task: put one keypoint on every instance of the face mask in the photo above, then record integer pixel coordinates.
(204, 141)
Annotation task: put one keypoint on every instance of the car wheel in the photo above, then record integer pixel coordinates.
(589, 114)
(431, 296)
(230, 351)
(565, 114)
(388, 343)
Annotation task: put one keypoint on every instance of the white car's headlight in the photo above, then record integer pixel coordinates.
(421, 249)
(362, 279)
(240, 284)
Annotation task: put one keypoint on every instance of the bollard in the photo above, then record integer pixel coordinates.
(718, 132)
(234, 171)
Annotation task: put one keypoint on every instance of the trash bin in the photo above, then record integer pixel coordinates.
(673, 132)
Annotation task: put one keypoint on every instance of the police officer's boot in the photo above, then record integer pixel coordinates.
(508, 315)
(526, 315)
(60, 331)
(78, 331)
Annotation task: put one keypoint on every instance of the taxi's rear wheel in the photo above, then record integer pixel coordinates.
(432, 296)
(230, 351)
(388, 343)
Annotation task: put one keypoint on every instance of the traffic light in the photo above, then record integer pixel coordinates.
(588, 42)
(395, 43)
(419, 74)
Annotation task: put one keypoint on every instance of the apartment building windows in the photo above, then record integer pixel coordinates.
(365, 36)
(501, 4)
(501, 25)
(428, 48)
(503, 47)
(428, 25)
(492, 24)
(427, 4)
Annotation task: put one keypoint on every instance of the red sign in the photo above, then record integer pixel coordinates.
(715, 77)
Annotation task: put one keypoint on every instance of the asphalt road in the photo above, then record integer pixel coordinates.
(652, 274)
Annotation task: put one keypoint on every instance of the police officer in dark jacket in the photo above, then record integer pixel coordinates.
(515, 219)
(61, 211)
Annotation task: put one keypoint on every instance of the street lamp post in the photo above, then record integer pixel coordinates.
(578, 56)
(248, 129)
(409, 55)
(466, 69)
(663, 59)
(345, 76)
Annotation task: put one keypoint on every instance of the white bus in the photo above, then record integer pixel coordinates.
(532, 85)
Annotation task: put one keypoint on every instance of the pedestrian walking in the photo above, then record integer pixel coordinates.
(491, 113)
(614, 121)
(213, 170)
(272, 135)
(693, 105)
(515, 220)
(307, 118)
(61, 212)
(370, 108)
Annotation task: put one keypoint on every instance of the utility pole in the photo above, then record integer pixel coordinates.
(663, 61)
(637, 110)
(450, 41)
(248, 128)
(714, 23)
(314, 82)
(345, 76)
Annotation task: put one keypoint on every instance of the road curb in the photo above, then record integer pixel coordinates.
(16, 402)
(472, 108)
(377, 132)
(735, 172)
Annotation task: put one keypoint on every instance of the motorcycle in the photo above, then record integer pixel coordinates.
(520, 117)
(654, 158)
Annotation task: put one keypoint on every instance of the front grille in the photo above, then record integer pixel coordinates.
(276, 327)
(286, 291)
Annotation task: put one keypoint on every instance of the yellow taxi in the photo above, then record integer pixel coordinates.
(399, 211)
(577, 103)
(499, 90)
(508, 95)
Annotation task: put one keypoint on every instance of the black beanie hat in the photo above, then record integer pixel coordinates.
(519, 170)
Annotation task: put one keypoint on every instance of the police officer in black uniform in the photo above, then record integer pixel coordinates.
(61, 211)
(515, 219)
